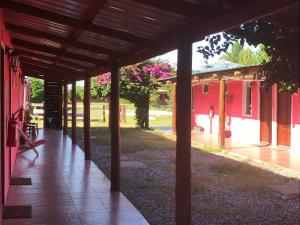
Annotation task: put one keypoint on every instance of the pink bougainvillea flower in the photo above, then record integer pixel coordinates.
(104, 78)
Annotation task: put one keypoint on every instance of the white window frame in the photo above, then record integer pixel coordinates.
(245, 85)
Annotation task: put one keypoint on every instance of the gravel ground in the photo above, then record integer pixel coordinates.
(216, 197)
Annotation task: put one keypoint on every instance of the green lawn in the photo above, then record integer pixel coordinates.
(97, 117)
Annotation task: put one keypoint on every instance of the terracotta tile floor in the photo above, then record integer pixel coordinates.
(67, 190)
(286, 158)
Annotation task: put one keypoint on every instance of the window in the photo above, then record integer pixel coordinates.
(205, 88)
(247, 98)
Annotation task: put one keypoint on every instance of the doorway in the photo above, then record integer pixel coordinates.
(266, 116)
(284, 119)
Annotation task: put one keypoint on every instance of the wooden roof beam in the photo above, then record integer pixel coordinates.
(284, 23)
(62, 19)
(55, 51)
(187, 9)
(63, 41)
(44, 71)
(49, 65)
(44, 76)
(32, 55)
(255, 9)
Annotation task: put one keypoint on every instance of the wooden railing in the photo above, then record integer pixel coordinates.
(102, 109)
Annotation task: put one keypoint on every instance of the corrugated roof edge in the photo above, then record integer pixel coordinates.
(202, 73)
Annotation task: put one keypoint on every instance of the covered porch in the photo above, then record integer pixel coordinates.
(63, 42)
(278, 156)
(66, 189)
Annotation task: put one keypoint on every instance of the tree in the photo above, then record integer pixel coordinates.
(245, 56)
(79, 93)
(137, 82)
(281, 47)
(36, 90)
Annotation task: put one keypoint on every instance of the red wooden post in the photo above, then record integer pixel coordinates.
(115, 127)
(65, 129)
(74, 135)
(222, 115)
(183, 130)
(109, 112)
(3, 135)
(87, 99)
(174, 109)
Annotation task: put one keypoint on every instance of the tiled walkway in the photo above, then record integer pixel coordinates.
(67, 190)
(278, 156)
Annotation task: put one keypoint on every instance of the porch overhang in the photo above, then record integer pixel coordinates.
(69, 41)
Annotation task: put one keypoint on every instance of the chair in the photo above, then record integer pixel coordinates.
(30, 144)
(31, 129)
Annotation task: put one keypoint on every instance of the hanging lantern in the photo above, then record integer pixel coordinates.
(13, 61)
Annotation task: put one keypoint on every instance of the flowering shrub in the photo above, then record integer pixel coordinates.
(137, 82)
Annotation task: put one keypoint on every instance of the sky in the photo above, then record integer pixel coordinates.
(198, 60)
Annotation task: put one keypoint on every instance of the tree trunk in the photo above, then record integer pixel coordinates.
(147, 117)
(142, 114)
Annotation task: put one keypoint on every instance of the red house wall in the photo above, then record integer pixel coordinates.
(296, 109)
(203, 101)
(17, 101)
(239, 123)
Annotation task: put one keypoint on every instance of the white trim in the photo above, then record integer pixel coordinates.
(244, 100)
(274, 118)
(258, 110)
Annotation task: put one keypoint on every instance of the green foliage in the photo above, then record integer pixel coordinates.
(36, 90)
(281, 47)
(79, 93)
(245, 56)
(99, 90)
(137, 82)
(155, 98)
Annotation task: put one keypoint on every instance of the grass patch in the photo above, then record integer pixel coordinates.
(132, 139)
(217, 210)
(243, 176)
(201, 183)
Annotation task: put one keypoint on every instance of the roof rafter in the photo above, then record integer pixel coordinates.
(62, 19)
(56, 51)
(32, 55)
(62, 40)
(187, 9)
(255, 9)
(49, 65)
(43, 70)
(45, 76)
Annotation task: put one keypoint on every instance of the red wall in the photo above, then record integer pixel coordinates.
(234, 108)
(16, 97)
(296, 108)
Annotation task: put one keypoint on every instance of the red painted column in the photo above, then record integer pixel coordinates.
(174, 110)
(2, 123)
(115, 127)
(222, 115)
(87, 100)
(65, 109)
(74, 134)
(183, 130)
